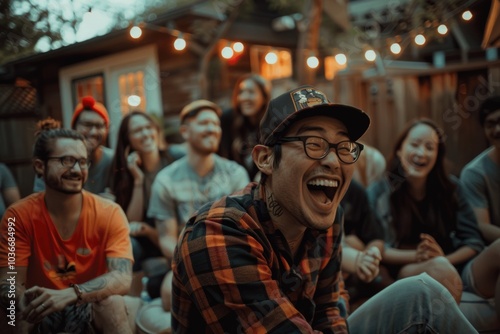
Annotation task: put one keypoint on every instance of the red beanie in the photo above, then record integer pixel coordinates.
(89, 103)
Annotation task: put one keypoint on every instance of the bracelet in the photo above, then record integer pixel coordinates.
(78, 292)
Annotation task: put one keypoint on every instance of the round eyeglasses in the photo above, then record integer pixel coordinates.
(317, 148)
(69, 162)
(89, 126)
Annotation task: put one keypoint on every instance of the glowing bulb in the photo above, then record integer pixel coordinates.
(312, 62)
(341, 59)
(238, 47)
(180, 44)
(442, 29)
(370, 55)
(227, 52)
(467, 15)
(135, 32)
(271, 58)
(134, 100)
(420, 39)
(395, 48)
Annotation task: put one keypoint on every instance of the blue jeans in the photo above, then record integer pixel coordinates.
(417, 304)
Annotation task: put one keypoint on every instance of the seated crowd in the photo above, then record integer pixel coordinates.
(327, 238)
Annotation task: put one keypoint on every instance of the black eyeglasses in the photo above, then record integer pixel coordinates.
(317, 148)
(70, 162)
(90, 125)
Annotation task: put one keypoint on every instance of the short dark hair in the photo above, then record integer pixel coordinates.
(489, 105)
(46, 136)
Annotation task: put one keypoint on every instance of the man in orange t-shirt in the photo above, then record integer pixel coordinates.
(65, 254)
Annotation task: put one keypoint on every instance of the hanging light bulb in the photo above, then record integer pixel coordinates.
(467, 15)
(227, 52)
(341, 59)
(395, 48)
(271, 58)
(134, 100)
(420, 39)
(135, 32)
(370, 55)
(442, 29)
(312, 62)
(238, 47)
(180, 43)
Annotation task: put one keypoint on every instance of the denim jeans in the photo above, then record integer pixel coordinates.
(417, 304)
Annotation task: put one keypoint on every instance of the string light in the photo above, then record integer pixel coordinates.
(312, 62)
(227, 52)
(341, 59)
(271, 58)
(238, 47)
(467, 15)
(135, 32)
(134, 100)
(420, 39)
(442, 29)
(180, 43)
(370, 55)
(395, 48)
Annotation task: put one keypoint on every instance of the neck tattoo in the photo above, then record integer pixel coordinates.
(274, 206)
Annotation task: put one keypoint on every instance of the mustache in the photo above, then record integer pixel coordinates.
(73, 174)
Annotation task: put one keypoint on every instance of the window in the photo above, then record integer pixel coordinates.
(131, 90)
(271, 63)
(92, 85)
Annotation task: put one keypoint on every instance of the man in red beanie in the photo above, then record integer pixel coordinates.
(91, 119)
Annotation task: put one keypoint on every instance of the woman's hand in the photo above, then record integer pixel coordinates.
(133, 164)
(428, 248)
(367, 264)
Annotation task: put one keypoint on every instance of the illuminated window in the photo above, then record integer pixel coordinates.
(271, 63)
(332, 65)
(131, 86)
(91, 85)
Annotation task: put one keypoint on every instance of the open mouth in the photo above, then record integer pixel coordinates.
(418, 164)
(323, 190)
(73, 177)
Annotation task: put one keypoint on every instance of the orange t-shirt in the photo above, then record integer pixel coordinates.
(102, 232)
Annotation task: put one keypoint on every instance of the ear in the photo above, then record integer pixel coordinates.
(39, 167)
(263, 158)
(183, 129)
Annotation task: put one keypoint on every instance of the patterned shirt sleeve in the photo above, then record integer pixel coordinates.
(224, 270)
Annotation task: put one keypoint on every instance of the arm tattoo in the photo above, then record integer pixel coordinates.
(122, 265)
(109, 283)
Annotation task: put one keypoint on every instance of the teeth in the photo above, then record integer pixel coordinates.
(323, 183)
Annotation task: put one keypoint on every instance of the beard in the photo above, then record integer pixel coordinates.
(58, 184)
(203, 148)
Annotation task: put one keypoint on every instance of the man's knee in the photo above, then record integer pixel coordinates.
(109, 311)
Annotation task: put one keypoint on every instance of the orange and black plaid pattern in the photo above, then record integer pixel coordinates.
(234, 273)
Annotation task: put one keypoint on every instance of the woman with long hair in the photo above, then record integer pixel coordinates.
(137, 161)
(240, 127)
(429, 226)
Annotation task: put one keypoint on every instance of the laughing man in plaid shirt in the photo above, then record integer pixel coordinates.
(267, 260)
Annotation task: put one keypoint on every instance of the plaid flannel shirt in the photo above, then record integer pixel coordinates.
(234, 273)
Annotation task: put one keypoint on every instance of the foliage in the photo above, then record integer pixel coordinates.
(23, 24)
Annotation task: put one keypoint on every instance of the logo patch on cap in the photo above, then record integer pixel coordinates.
(308, 97)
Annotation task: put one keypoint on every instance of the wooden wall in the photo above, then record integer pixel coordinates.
(451, 99)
